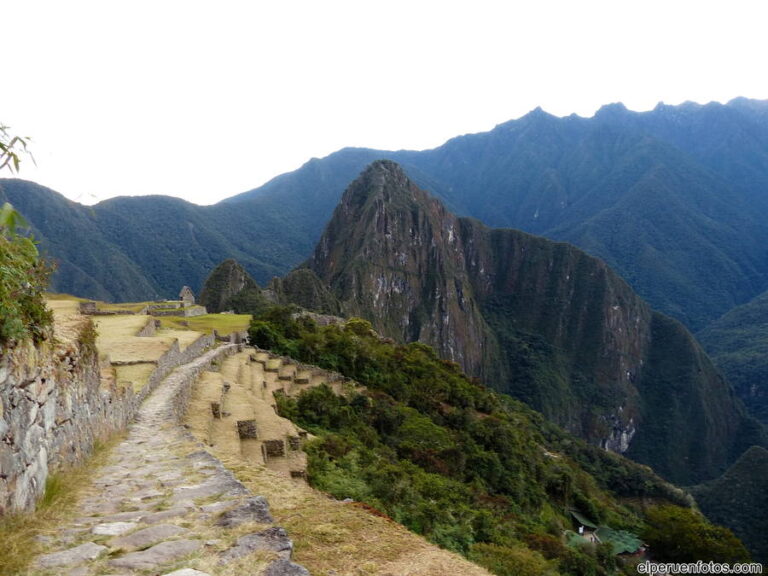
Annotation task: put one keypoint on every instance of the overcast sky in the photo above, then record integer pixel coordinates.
(204, 100)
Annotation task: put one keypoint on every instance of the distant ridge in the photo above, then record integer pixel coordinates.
(673, 199)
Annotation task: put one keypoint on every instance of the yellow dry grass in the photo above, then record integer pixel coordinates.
(137, 375)
(20, 534)
(331, 538)
(185, 337)
(67, 320)
(207, 323)
(121, 326)
(117, 337)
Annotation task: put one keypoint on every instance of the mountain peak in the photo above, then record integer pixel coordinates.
(382, 179)
(382, 172)
(538, 114)
(612, 110)
(228, 280)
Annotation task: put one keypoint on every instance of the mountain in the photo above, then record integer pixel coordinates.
(673, 199)
(141, 248)
(738, 343)
(739, 500)
(542, 321)
(228, 285)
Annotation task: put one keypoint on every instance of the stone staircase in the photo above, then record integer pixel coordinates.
(163, 506)
(240, 413)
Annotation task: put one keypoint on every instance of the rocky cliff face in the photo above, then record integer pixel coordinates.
(228, 279)
(392, 254)
(540, 320)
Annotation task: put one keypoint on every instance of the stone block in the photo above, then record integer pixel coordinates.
(284, 567)
(72, 557)
(274, 448)
(247, 429)
(254, 509)
(273, 539)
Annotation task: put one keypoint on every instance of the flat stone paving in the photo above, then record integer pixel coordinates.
(163, 506)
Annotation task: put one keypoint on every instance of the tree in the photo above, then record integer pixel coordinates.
(23, 274)
(677, 534)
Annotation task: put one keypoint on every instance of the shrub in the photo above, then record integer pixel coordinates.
(23, 279)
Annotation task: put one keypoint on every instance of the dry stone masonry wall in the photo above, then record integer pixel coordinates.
(162, 505)
(53, 407)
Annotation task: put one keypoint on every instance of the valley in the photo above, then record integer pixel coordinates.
(535, 350)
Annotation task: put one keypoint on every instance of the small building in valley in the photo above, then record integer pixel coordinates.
(187, 297)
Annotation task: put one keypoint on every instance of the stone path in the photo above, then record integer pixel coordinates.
(164, 506)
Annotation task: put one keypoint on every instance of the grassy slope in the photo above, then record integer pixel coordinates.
(738, 343)
(739, 499)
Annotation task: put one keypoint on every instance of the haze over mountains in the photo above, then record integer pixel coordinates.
(539, 320)
(674, 200)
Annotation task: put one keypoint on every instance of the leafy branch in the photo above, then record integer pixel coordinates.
(11, 149)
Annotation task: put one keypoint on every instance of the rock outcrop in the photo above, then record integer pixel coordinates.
(540, 320)
(228, 281)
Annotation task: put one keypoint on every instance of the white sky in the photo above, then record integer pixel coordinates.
(204, 100)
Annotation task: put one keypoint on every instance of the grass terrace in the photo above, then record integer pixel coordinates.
(222, 323)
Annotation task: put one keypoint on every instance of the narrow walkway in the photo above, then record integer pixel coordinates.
(164, 506)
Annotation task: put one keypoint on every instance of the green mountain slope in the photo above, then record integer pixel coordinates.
(738, 343)
(469, 469)
(88, 261)
(739, 500)
(542, 321)
(472, 470)
(228, 286)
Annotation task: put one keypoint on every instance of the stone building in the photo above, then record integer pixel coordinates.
(187, 297)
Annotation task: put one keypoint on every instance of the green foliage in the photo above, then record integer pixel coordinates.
(230, 287)
(303, 288)
(23, 280)
(447, 457)
(23, 274)
(739, 500)
(87, 339)
(738, 343)
(689, 434)
(12, 148)
(681, 535)
(510, 561)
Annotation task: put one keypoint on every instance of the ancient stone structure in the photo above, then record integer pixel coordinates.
(187, 297)
(247, 429)
(53, 406)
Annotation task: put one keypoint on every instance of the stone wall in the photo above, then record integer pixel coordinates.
(175, 357)
(53, 406)
(150, 329)
(182, 394)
